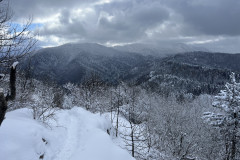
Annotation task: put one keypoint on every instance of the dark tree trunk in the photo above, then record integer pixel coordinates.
(132, 138)
(234, 138)
(12, 85)
(3, 100)
(233, 152)
(118, 111)
(3, 107)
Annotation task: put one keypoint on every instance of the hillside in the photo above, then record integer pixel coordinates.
(160, 49)
(210, 60)
(76, 62)
(191, 72)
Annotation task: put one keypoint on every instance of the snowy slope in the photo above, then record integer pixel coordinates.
(160, 49)
(76, 63)
(77, 135)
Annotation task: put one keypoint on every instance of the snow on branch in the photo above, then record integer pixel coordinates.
(15, 64)
(2, 76)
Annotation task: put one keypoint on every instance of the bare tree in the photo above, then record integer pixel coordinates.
(42, 103)
(15, 40)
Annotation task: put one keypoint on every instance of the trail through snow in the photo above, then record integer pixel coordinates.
(87, 138)
(71, 142)
(78, 135)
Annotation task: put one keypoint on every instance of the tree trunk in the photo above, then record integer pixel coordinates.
(117, 121)
(3, 100)
(233, 151)
(132, 138)
(234, 138)
(12, 85)
(3, 107)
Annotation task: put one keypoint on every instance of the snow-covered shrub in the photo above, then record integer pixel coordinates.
(42, 103)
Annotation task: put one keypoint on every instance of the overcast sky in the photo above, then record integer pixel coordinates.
(212, 24)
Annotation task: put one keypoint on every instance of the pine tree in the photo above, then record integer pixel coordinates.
(227, 120)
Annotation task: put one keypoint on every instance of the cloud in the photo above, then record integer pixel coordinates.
(43, 8)
(215, 17)
(122, 21)
(129, 21)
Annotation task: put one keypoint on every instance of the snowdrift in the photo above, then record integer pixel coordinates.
(76, 135)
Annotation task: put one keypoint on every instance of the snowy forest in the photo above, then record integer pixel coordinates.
(151, 126)
(91, 102)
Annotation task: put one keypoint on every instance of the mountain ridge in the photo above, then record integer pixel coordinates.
(76, 63)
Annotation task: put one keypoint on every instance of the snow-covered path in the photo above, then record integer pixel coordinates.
(72, 137)
(79, 135)
(87, 138)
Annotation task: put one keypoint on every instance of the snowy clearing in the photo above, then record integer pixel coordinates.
(77, 135)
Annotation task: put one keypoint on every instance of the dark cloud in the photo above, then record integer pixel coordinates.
(211, 17)
(64, 28)
(109, 23)
(124, 21)
(128, 20)
(43, 8)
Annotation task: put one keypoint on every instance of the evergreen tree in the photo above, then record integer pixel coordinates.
(228, 101)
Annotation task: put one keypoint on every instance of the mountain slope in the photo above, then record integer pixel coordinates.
(194, 72)
(191, 72)
(76, 62)
(211, 60)
(160, 49)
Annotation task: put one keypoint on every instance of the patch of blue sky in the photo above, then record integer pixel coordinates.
(34, 26)
(19, 27)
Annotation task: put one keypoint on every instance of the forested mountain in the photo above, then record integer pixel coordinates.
(161, 49)
(210, 60)
(191, 72)
(76, 62)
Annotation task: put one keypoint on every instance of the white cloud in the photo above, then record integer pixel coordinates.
(205, 41)
(114, 22)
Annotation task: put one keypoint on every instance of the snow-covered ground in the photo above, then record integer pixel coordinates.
(76, 135)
